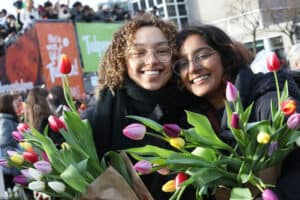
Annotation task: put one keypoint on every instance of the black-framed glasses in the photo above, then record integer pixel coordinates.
(139, 55)
(182, 65)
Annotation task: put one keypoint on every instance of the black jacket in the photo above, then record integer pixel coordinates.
(109, 118)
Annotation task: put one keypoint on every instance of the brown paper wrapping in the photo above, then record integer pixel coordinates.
(110, 185)
(268, 176)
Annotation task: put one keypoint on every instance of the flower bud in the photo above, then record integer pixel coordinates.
(45, 157)
(4, 163)
(172, 130)
(273, 63)
(17, 136)
(38, 186)
(135, 131)
(10, 152)
(55, 123)
(269, 195)
(22, 127)
(25, 145)
(43, 166)
(293, 121)
(17, 159)
(169, 186)
(177, 142)
(163, 171)
(25, 173)
(263, 138)
(143, 167)
(235, 121)
(30, 156)
(57, 186)
(231, 92)
(288, 107)
(20, 179)
(35, 174)
(65, 146)
(64, 64)
(273, 147)
(180, 178)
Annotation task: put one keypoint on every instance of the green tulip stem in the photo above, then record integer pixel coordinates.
(277, 89)
(157, 136)
(259, 187)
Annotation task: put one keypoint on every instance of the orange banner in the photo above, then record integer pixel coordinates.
(54, 39)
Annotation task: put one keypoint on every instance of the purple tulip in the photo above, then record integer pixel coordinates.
(45, 156)
(235, 121)
(143, 167)
(231, 92)
(172, 130)
(293, 121)
(43, 166)
(269, 195)
(17, 136)
(11, 153)
(20, 179)
(273, 147)
(135, 131)
(4, 163)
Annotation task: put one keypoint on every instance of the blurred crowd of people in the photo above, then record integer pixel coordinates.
(14, 24)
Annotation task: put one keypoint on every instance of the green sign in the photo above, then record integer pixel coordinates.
(94, 39)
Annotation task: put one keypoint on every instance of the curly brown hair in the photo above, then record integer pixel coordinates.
(113, 66)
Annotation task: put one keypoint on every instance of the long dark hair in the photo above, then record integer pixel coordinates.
(220, 42)
(6, 104)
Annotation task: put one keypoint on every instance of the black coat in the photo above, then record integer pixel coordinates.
(109, 118)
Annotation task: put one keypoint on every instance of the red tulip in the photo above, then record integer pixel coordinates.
(273, 62)
(180, 178)
(22, 127)
(288, 107)
(31, 157)
(65, 64)
(55, 123)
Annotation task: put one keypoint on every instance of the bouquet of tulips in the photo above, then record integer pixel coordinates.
(202, 160)
(72, 171)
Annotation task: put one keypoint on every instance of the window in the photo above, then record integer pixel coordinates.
(169, 1)
(171, 11)
(135, 6)
(184, 22)
(181, 9)
(158, 1)
(150, 3)
(161, 12)
(143, 4)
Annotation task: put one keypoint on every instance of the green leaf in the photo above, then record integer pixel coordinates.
(204, 175)
(74, 179)
(246, 114)
(207, 154)
(187, 159)
(150, 150)
(204, 131)
(285, 91)
(148, 122)
(240, 194)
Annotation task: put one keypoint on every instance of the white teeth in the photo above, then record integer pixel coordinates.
(151, 72)
(200, 78)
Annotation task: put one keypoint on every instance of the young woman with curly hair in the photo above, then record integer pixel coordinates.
(135, 78)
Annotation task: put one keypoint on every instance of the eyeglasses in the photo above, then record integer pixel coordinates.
(140, 55)
(201, 55)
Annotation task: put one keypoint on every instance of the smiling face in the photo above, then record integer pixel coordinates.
(149, 58)
(206, 79)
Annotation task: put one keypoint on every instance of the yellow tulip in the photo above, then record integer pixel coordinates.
(17, 159)
(169, 186)
(263, 138)
(177, 142)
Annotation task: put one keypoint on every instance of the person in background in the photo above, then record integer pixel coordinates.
(294, 63)
(37, 111)
(28, 14)
(56, 100)
(8, 124)
(208, 58)
(135, 78)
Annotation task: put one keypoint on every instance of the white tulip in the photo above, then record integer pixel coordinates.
(37, 186)
(57, 186)
(35, 174)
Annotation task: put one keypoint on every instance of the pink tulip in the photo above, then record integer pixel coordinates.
(293, 121)
(135, 131)
(231, 92)
(43, 166)
(17, 136)
(143, 167)
(269, 195)
(172, 130)
(4, 163)
(273, 63)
